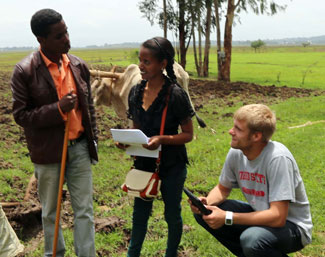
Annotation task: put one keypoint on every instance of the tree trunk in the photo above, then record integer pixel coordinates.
(194, 39)
(207, 39)
(165, 18)
(225, 66)
(216, 6)
(195, 56)
(181, 29)
(200, 47)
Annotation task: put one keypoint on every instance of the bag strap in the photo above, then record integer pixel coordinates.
(162, 126)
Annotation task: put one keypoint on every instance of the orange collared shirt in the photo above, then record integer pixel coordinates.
(64, 83)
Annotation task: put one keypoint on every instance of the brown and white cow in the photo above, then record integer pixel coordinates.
(114, 90)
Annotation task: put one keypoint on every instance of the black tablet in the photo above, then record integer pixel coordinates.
(197, 203)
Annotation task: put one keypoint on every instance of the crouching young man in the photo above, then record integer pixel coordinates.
(276, 219)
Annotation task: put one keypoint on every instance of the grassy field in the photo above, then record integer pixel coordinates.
(280, 66)
(207, 151)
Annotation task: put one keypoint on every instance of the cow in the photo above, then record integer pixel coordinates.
(114, 89)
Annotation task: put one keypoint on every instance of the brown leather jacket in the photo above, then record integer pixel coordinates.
(35, 107)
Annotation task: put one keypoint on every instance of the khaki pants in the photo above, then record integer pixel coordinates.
(9, 242)
(78, 177)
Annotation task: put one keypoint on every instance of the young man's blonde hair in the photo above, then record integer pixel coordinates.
(259, 118)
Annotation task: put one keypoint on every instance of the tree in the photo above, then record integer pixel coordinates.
(150, 10)
(257, 44)
(182, 32)
(183, 20)
(201, 25)
(208, 4)
(225, 65)
(195, 7)
(305, 44)
(177, 20)
(217, 21)
(258, 7)
(165, 18)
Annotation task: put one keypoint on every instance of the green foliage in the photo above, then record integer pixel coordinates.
(149, 10)
(305, 44)
(261, 6)
(257, 44)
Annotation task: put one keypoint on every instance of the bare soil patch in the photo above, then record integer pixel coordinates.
(203, 91)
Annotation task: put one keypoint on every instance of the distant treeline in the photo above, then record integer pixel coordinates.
(16, 49)
(319, 40)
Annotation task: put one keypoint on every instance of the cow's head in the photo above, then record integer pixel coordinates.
(101, 90)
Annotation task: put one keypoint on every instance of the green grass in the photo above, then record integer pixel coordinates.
(292, 69)
(281, 66)
(9, 59)
(207, 152)
(121, 57)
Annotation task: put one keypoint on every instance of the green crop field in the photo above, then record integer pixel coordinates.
(280, 66)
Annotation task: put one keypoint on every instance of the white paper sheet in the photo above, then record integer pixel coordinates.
(135, 138)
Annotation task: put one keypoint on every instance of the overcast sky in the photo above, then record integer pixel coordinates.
(96, 22)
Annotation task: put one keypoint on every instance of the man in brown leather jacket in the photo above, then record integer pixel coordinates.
(46, 86)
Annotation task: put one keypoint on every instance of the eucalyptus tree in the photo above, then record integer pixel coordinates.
(196, 7)
(208, 21)
(184, 30)
(165, 18)
(149, 10)
(217, 8)
(173, 16)
(185, 19)
(235, 7)
(202, 21)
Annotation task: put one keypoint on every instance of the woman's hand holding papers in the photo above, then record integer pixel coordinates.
(121, 146)
(154, 143)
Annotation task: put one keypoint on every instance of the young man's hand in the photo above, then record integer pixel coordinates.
(194, 208)
(216, 219)
(68, 102)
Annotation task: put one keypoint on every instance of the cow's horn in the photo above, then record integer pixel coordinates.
(104, 74)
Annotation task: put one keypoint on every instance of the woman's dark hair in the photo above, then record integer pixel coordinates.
(42, 20)
(162, 49)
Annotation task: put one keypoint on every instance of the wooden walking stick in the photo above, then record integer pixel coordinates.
(58, 206)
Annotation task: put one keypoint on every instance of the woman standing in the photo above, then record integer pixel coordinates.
(146, 103)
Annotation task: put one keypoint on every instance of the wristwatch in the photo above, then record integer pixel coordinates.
(228, 219)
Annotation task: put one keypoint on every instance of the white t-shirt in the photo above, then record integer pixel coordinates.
(272, 176)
